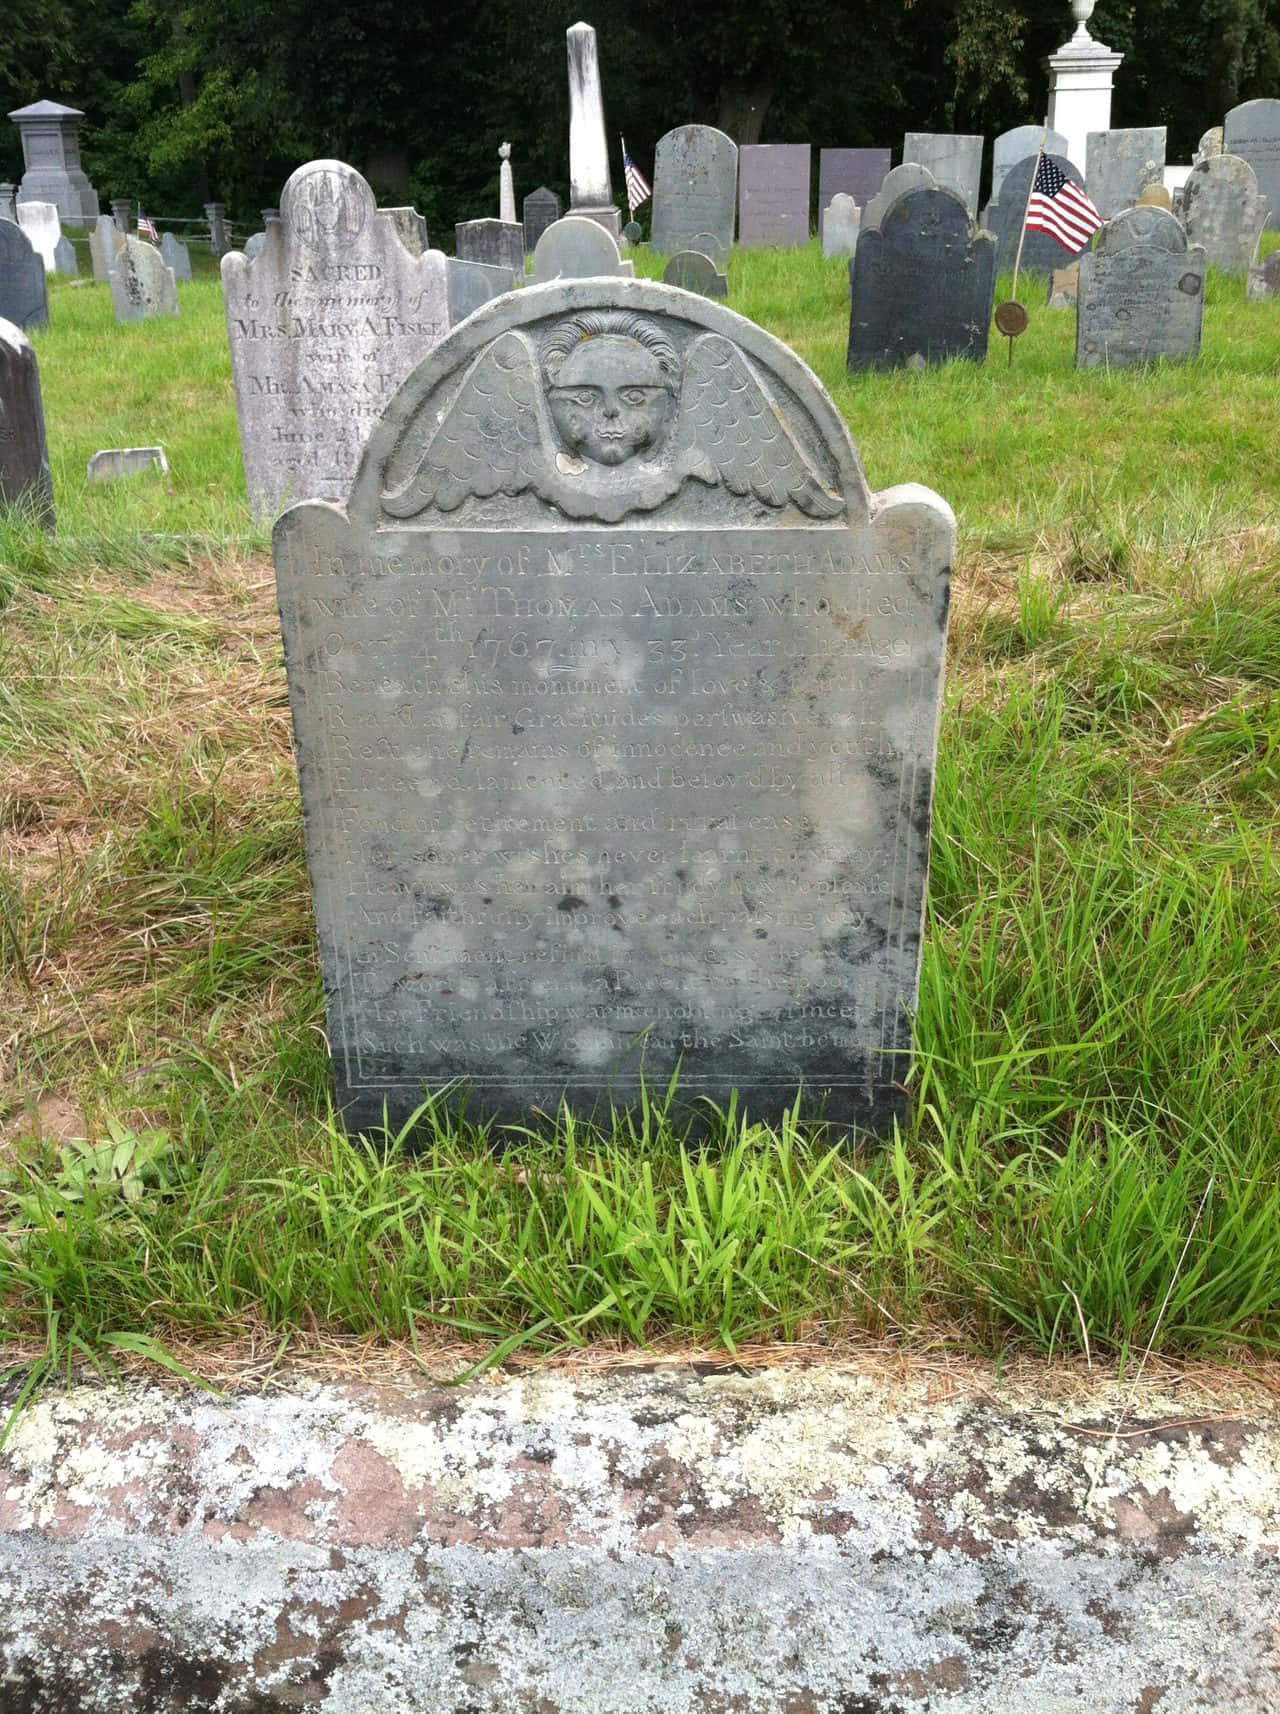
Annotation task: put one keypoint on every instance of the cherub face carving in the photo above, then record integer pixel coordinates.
(610, 385)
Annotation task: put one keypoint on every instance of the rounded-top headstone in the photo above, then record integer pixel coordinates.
(25, 482)
(574, 248)
(695, 192)
(1155, 196)
(1223, 209)
(1041, 252)
(897, 182)
(633, 232)
(24, 287)
(1252, 131)
(694, 272)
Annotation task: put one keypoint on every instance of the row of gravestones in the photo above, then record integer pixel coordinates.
(142, 282)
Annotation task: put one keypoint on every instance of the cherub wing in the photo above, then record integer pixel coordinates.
(491, 440)
(730, 431)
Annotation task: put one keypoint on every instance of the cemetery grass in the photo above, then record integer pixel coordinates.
(1092, 1160)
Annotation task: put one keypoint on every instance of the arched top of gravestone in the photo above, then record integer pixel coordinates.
(692, 271)
(1153, 228)
(326, 205)
(933, 209)
(502, 426)
(24, 291)
(574, 248)
(909, 176)
(1228, 171)
(1016, 144)
(1210, 144)
(1041, 252)
(1246, 114)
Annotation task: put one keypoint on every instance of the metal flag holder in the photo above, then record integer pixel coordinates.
(1011, 317)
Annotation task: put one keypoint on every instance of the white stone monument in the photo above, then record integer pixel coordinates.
(1081, 75)
(590, 187)
(506, 187)
(39, 220)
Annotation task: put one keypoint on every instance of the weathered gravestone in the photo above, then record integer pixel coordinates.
(921, 286)
(1252, 131)
(1119, 165)
(176, 256)
(115, 462)
(909, 176)
(1064, 286)
(694, 272)
(1010, 147)
(39, 220)
(64, 258)
(141, 285)
(1264, 278)
(1041, 253)
(412, 228)
(24, 288)
(325, 323)
(1210, 144)
(219, 237)
(540, 209)
(1223, 209)
(1141, 293)
(695, 192)
(122, 212)
(105, 241)
(472, 284)
(499, 243)
(858, 173)
(954, 160)
(841, 220)
(254, 245)
(25, 482)
(615, 697)
(1155, 196)
(773, 195)
(576, 249)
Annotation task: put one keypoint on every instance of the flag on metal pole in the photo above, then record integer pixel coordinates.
(638, 187)
(1060, 208)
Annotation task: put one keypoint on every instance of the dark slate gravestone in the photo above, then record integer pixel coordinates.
(693, 272)
(472, 284)
(1141, 293)
(921, 285)
(954, 159)
(858, 173)
(1223, 209)
(695, 191)
(24, 290)
(25, 482)
(500, 243)
(1252, 131)
(773, 195)
(1041, 254)
(1119, 165)
(541, 208)
(615, 696)
(64, 258)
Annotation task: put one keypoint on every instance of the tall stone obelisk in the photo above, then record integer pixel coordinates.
(590, 189)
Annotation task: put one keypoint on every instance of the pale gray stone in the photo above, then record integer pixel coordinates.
(921, 285)
(575, 249)
(1064, 286)
(412, 228)
(500, 243)
(1010, 147)
(1119, 165)
(254, 245)
(590, 187)
(695, 192)
(141, 285)
(909, 176)
(1223, 209)
(1041, 253)
(51, 152)
(24, 286)
(1141, 293)
(506, 187)
(122, 212)
(841, 220)
(858, 173)
(1252, 131)
(8, 202)
(1210, 144)
(176, 256)
(472, 284)
(120, 461)
(219, 237)
(615, 697)
(25, 482)
(1264, 278)
(39, 220)
(540, 209)
(64, 258)
(324, 324)
(773, 195)
(694, 272)
(105, 243)
(954, 159)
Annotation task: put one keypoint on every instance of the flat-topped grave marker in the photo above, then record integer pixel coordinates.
(1141, 293)
(1223, 209)
(499, 243)
(1252, 131)
(773, 195)
(324, 323)
(141, 285)
(1119, 165)
(695, 192)
(39, 220)
(472, 284)
(954, 159)
(51, 151)
(615, 695)
(116, 462)
(25, 482)
(858, 173)
(694, 272)
(24, 286)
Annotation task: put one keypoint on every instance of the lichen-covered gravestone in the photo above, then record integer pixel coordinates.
(1223, 209)
(1120, 164)
(1141, 293)
(25, 482)
(24, 287)
(1263, 279)
(324, 323)
(615, 695)
(695, 192)
(105, 241)
(141, 285)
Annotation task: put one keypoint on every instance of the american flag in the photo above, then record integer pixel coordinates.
(146, 228)
(1060, 208)
(638, 187)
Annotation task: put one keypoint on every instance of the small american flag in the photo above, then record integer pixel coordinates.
(146, 228)
(638, 187)
(1060, 208)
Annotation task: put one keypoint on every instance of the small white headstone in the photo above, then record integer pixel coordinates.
(575, 249)
(840, 222)
(40, 222)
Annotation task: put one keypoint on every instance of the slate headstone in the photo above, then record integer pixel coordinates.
(39, 220)
(324, 325)
(909, 176)
(1041, 254)
(615, 696)
(575, 249)
(858, 173)
(841, 219)
(1141, 294)
(773, 195)
(472, 284)
(141, 285)
(412, 228)
(498, 242)
(954, 159)
(64, 258)
(25, 482)
(1119, 165)
(24, 287)
(921, 285)
(176, 256)
(116, 462)
(1252, 131)
(1010, 147)
(540, 209)
(1223, 209)
(695, 192)
(694, 272)
(105, 241)
(1263, 280)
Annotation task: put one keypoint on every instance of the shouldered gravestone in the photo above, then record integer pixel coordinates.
(1010, 147)
(324, 324)
(176, 256)
(909, 176)
(141, 285)
(499, 243)
(64, 258)
(1041, 253)
(955, 160)
(540, 209)
(412, 228)
(39, 220)
(575, 248)
(1252, 131)
(858, 173)
(25, 483)
(24, 288)
(841, 220)
(1223, 209)
(1141, 293)
(694, 272)
(921, 285)
(1119, 165)
(1210, 144)
(615, 696)
(773, 195)
(695, 192)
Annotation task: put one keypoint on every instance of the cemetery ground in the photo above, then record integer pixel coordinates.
(1092, 1161)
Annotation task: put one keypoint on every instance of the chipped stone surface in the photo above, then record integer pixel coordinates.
(661, 1540)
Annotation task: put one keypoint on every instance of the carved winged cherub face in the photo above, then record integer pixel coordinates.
(612, 395)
